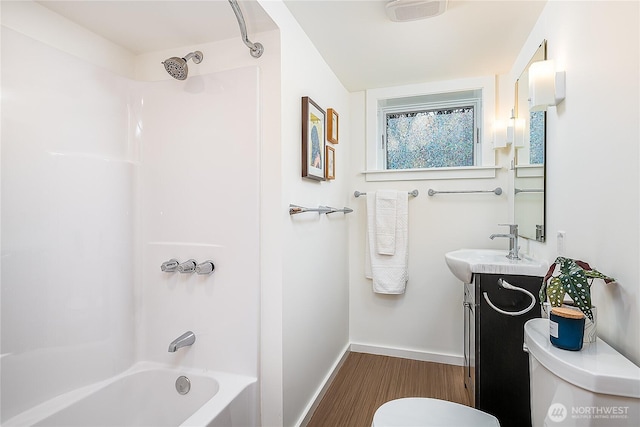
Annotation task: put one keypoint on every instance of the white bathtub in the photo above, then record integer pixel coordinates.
(145, 395)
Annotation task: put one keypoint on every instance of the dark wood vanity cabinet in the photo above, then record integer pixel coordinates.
(496, 366)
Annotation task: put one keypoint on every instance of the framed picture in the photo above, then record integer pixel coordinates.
(331, 163)
(313, 140)
(332, 126)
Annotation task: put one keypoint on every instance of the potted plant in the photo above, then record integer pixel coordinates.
(574, 278)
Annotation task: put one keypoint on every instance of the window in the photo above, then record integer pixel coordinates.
(536, 135)
(433, 138)
(432, 131)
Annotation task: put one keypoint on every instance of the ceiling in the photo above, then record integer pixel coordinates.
(367, 50)
(143, 26)
(361, 45)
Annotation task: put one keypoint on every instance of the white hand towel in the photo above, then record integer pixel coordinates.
(389, 272)
(386, 207)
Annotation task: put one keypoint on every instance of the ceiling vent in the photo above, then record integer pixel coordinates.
(411, 10)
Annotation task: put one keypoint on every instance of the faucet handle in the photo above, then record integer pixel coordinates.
(206, 267)
(169, 266)
(187, 266)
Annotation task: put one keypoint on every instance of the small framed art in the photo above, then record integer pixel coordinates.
(332, 126)
(313, 140)
(331, 163)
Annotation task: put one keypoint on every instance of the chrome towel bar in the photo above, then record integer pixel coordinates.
(295, 209)
(413, 193)
(528, 190)
(497, 191)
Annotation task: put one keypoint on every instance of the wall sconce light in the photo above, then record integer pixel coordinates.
(520, 136)
(499, 135)
(504, 133)
(546, 85)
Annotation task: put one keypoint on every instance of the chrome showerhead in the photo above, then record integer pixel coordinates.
(177, 67)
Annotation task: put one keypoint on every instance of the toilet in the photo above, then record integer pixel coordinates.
(425, 412)
(593, 387)
(596, 386)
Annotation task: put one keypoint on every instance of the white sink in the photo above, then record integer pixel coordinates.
(464, 262)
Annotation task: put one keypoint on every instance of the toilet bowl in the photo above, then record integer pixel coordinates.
(425, 412)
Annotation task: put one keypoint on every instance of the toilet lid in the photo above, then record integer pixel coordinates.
(423, 412)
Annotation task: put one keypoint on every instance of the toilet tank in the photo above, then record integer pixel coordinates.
(596, 386)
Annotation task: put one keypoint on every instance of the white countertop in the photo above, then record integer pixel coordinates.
(463, 263)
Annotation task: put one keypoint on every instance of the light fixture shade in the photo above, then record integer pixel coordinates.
(519, 133)
(499, 135)
(546, 86)
(510, 134)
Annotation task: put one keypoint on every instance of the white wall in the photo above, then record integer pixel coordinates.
(67, 218)
(426, 321)
(314, 257)
(593, 189)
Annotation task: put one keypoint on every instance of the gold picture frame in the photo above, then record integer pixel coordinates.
(330, 162)
(332, 126)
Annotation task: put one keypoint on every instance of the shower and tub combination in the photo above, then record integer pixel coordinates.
(101, 186)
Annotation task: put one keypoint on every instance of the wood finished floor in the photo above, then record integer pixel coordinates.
(366, 381)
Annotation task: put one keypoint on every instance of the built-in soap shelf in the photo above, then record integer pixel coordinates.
(189, 266)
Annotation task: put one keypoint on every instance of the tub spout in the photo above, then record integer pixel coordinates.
(183, 340)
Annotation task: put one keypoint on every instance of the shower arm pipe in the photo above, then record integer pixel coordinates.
(256, 48)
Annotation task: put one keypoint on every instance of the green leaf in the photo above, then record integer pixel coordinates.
(555, 292)
(595, 274)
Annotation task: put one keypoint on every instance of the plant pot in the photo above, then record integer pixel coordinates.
(545, 309)
(590, 327)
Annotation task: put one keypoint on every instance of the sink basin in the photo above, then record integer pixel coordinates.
(464, 262)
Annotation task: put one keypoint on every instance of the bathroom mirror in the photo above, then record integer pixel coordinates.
(529, 161)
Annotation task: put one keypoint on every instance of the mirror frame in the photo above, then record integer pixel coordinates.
(535, 234)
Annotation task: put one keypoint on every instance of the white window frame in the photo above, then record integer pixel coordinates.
(376, 99)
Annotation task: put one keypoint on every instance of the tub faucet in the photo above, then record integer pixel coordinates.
(513, 240)
(183, 340)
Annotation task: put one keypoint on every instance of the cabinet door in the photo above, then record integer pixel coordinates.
(502, 377)
(469, 344)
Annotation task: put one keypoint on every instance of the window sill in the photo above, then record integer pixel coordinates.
(471, 172)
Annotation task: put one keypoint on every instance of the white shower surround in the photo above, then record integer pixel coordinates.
(98, 189)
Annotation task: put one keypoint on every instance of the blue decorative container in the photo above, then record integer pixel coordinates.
(566, 328)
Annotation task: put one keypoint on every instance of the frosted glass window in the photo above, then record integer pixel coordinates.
(536, 137)
(430, 138)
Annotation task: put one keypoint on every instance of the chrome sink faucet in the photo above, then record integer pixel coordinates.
(513, 240)
(188, 338)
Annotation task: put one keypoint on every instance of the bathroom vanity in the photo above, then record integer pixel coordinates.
(496, 367)
(500, 295)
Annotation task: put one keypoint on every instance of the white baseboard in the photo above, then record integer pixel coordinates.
(382, 351)
(448, 359)
(311, 407)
